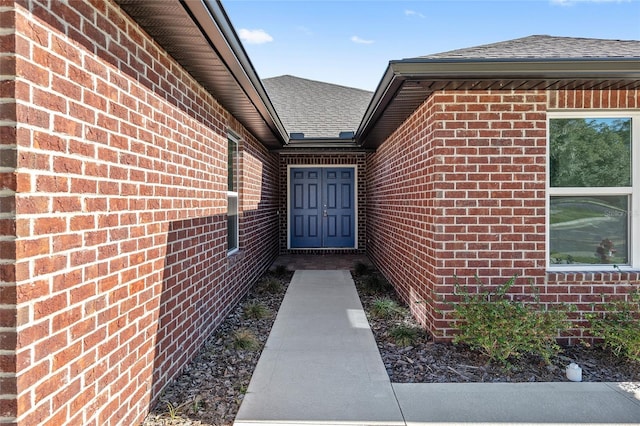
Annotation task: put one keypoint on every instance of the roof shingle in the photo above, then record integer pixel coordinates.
(317, 109)
(546, 47)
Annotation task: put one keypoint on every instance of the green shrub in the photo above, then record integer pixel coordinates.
(618, 325)
(245, 339)
(255, 310)
(502, 328)
(272, 286)
(386, 308)
(404, 335)
(361, 269)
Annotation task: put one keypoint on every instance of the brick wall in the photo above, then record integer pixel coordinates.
(459, 189)
(324, 159)
(8, 183)
(121, 268)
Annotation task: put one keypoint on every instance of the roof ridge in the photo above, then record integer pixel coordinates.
(316, 82)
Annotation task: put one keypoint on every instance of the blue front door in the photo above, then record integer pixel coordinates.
(322, 208)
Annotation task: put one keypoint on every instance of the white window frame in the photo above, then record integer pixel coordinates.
(235, 140)
(633, 192)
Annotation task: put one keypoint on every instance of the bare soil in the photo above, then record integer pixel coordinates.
(211, 388)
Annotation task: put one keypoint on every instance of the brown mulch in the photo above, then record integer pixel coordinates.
(211, 388)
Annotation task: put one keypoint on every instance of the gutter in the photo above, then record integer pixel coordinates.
(216, 25)
(530, 68)
(321, 143)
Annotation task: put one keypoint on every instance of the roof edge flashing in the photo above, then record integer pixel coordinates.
(390, 83)
(216, 26)
(567, 68)
(428, 69)
(309, 140)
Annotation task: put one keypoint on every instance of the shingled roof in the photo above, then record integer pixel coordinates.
(317, 110)
(531, 63)
(545, 46)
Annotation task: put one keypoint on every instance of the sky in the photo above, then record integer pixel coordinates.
(350, 42)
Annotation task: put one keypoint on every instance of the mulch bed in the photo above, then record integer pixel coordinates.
(211, 388)
(426, 361)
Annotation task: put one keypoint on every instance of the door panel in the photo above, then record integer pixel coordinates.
(340, 214)
(322, 208)
(306, 213)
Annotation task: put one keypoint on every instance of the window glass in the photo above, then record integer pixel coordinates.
(590, 152)
(589, 230)
(232, 166)
(232, 223)
(232, 195)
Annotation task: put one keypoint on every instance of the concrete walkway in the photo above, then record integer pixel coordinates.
(321, 366)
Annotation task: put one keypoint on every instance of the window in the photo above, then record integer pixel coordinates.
(593, 190)
(232, 195)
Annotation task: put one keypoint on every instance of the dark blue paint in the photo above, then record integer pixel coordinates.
(322, 208)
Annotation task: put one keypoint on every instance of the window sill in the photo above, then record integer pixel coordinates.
(575, 275)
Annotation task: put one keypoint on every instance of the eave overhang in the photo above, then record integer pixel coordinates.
(407, 83)
(199, 36)
(319, 143)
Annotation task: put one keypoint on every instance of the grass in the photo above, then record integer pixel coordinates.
(570, 214)
(404, 335)
(386, 308)
(272, 286)
(255, 310)
(244, 339)
(172, 411)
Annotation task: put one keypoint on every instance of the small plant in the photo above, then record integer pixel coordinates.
(618, 326)
(173, 410)
(198, 404)
(374, 284)
(245, 340)
(242, 388)
(386, 308)
(280, 271)
(255, 310)
(360, 269)
(272, 286)
(502, 328)
(404, 335)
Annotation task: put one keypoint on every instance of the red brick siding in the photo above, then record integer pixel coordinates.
(459, 189)
(356, 159)
(8, 184)
(594, 99)
(121, 262)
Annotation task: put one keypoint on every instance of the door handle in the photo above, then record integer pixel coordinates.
(324, 213)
